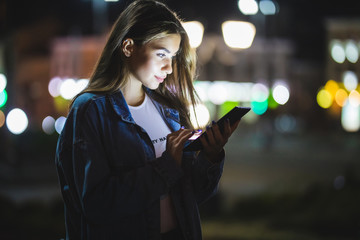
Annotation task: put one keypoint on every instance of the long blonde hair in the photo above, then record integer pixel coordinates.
(143, 21)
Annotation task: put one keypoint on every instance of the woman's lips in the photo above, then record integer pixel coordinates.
(160, 79)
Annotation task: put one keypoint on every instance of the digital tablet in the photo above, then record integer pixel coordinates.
(233, 115)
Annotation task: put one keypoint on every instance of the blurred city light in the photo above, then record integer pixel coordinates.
(54, 86)
(259, 107)
(324, 98)
(2, 118)
(202, 115)
(268, 7)
(351, 51)
(354, 98)
(16, 121)
(248, 7)
(350, 117)
(195, 31)
(3, 82)
(281, 93)
(48, 125)
(59, 124)
(81, 84)
(259, 92)
(285, 123)
(238, 34)
(350, 80)
(337, 51)
(3, 98)
(332, 87)
(341, 97)
(68, 89)
(217, 93)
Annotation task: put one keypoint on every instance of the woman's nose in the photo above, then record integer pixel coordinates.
(168, 67)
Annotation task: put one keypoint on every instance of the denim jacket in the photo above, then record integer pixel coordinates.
(111, 181)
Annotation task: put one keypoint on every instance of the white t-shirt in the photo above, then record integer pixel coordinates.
(148, 117)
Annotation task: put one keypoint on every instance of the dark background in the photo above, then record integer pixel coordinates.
(299, 185)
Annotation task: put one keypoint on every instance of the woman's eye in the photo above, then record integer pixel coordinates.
(162, 55)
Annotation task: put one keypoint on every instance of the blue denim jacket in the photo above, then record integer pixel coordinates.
(111, 181)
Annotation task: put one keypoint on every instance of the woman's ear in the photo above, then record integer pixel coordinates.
(127, 47)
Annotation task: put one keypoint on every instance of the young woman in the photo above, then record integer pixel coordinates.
(121, 167)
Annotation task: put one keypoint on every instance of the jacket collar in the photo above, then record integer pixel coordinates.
(121, 108)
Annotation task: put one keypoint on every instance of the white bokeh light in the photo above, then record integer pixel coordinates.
(17, 121)
(259, 92)
(48, 125)
(350, 117)
(248, 7)
(350, 80)
(59, 124)
(195, 31)
(54, 86)
(351, 51)
(238, 34)
(68, 88)
(3, 82)
(202, 116)
(81, 84)
(337, 51)
(217, 93)
(281, 94)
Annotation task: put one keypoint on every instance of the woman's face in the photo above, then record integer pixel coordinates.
(152, 62)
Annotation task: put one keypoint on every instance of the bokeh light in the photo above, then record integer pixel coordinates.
(68, 88)
(202, 116)
(238, 34)
(341, 97)
(285, 123)
(195, 31)
(350, 80)
(54, 86)
(17, 121)
(48, 125)
(351, 51)
(2, 118)
(217, 93)
(248, 7)
(337, 51)
(259, 92)
(268, 7)
(59, 124)
(354, 98)
(259, 107)
(350, 117)
(281, 94)
(3, 82)
(3, 98)
(324, 98)
(332, 87)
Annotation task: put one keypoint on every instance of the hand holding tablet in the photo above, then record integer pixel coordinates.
(234, 115)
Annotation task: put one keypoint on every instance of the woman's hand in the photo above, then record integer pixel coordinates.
(175, 143)
(215, 141)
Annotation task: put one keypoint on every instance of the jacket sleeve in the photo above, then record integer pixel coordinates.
(108, 192)
(205, 176)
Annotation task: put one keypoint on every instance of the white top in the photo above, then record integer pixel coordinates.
(148, 117)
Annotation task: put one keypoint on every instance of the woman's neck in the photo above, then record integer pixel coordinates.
(133, 93)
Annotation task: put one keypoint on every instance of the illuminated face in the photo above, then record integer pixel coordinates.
(152, 62)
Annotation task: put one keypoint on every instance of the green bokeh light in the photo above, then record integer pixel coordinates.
(259, 107)
(3, 98)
